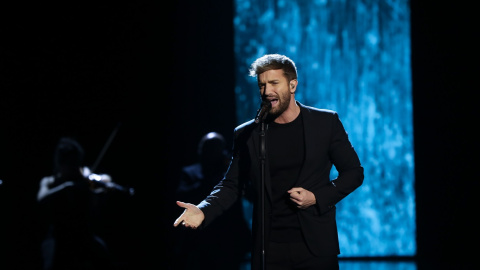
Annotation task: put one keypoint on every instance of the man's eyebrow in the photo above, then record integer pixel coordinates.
(270, 81)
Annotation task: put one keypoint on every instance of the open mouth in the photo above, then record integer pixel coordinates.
(273, 101)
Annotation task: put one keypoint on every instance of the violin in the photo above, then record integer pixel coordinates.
(103, 182)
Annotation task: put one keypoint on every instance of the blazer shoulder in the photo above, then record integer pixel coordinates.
(318, 111)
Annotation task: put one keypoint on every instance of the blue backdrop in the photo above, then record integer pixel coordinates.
(352, 57)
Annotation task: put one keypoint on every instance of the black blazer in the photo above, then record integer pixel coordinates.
(326, 144)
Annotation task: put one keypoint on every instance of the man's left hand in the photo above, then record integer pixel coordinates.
(301, 197)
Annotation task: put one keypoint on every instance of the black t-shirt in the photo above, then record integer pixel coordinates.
(285, 154)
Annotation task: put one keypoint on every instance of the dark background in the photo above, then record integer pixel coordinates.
(164, 75)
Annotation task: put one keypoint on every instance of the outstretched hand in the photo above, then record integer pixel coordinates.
(192, 217)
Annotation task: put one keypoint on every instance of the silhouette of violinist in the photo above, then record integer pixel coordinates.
(67, 205)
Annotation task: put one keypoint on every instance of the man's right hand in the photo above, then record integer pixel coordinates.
(192, 217)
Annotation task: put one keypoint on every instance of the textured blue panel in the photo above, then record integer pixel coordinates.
(352, 57)
(377, 265)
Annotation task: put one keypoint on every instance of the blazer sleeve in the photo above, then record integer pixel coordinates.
(227, 191)
(350, 171)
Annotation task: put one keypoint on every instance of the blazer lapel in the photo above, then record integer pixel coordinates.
(308, 137)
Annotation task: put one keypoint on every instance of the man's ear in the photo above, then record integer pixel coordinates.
(293, 85)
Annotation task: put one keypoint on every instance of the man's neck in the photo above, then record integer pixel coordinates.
(290, 114)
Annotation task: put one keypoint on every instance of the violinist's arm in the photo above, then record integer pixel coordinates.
(45, 190)
(103, 183)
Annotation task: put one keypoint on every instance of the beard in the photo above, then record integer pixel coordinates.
(283, 103)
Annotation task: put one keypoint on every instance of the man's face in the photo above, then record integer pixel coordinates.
(275, 88)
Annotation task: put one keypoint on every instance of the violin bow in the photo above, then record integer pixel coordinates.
(105, 147)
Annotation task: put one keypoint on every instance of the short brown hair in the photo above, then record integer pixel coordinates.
(274, 61)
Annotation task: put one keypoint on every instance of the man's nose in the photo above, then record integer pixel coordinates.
(268, 90)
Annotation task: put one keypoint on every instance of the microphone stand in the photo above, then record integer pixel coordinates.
(260, 118)
(262, 169)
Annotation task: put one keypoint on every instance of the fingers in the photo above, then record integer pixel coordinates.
(187, 206)
(177, 221)
(182, 204)
(183, 223)
(296, 195)
(296, 190)
(301, 197)
(182, 219)
(187, 225)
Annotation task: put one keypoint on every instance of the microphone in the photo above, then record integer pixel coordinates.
(263, 111)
